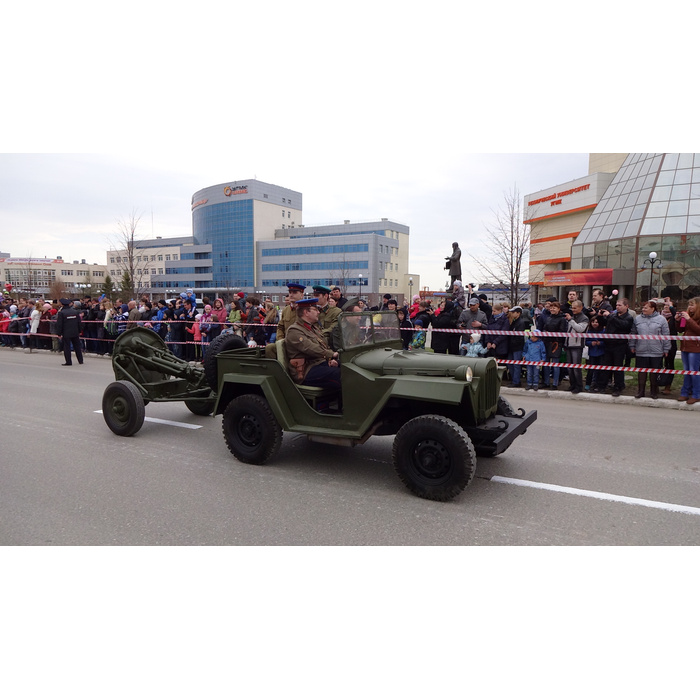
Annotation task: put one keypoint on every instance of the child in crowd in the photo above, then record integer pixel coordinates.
(418, 342)
(195, 332)
(596, 350)
(473, 348)
(534, 351)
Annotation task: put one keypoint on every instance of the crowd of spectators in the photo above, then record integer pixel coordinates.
(188, 330)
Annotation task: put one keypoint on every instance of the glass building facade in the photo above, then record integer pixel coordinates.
(228, 229)
(652, 205)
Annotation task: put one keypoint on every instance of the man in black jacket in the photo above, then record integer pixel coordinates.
(619, 322)
(68, 326)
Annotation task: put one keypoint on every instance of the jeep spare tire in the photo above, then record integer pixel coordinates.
(230, 341)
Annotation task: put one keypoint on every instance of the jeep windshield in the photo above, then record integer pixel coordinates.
(368, 328)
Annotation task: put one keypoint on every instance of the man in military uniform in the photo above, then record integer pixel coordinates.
(311, 360)
(328, 315)
(68, 327)
(287, 316)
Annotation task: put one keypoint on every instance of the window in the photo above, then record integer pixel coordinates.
(160, 270)
(111, 260)
(153, 257)
(167, 257)
(153, 270)
(160, 258)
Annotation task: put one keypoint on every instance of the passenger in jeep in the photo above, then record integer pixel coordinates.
(311, 360)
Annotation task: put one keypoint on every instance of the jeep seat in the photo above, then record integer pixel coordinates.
(313, 394)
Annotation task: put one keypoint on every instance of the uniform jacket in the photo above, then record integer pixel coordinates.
(327, 319)
(306, 342)
(68, 322)
(287, 318)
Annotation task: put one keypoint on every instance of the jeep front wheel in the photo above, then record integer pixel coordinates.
(251, 430)
(434, 457)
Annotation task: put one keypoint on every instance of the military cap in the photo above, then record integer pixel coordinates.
(313, 301)
(321, 288)
(295, 286)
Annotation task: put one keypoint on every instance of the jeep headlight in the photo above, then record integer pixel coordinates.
(464, 373)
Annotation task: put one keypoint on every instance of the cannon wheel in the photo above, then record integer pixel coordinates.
(434, 457)
(230, 341)
(251, 430)
(202, 407)
(123, 408)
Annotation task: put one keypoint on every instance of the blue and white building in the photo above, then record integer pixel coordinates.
(248, 235)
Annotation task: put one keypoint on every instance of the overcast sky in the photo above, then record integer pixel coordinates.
(68, 205)
(384, 109)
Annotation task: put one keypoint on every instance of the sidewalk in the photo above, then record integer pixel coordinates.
(627, 397)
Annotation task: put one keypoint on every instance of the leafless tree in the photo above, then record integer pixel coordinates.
(508, 244)
(123, 245)
(57, 289)
(343, 272)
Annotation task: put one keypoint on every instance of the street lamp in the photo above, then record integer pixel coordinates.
(652, 260)
(360, 276)
(410, 288)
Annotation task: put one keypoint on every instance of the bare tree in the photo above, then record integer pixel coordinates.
(344, 272)
(130, 268)
(508, 244)
(57, 289)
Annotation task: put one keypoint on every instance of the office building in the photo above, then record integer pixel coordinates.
(635, 229)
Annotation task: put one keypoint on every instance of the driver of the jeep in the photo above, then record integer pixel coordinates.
(311, 361)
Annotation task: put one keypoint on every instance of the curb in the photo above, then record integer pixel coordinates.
(566, 395)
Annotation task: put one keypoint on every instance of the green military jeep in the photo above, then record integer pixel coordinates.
(443, 409)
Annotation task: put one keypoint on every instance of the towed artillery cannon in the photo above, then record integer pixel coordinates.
(145, 370)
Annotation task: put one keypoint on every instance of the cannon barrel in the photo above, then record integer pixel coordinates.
(141, 356)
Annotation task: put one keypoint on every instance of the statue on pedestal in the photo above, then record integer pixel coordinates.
(453, 265)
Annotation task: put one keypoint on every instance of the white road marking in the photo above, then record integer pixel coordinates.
(602, 496)
(169, 422)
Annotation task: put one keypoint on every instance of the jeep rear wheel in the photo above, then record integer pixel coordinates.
(251, 430)
(434, 457)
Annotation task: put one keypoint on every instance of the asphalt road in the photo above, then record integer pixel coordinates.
(66, 479)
